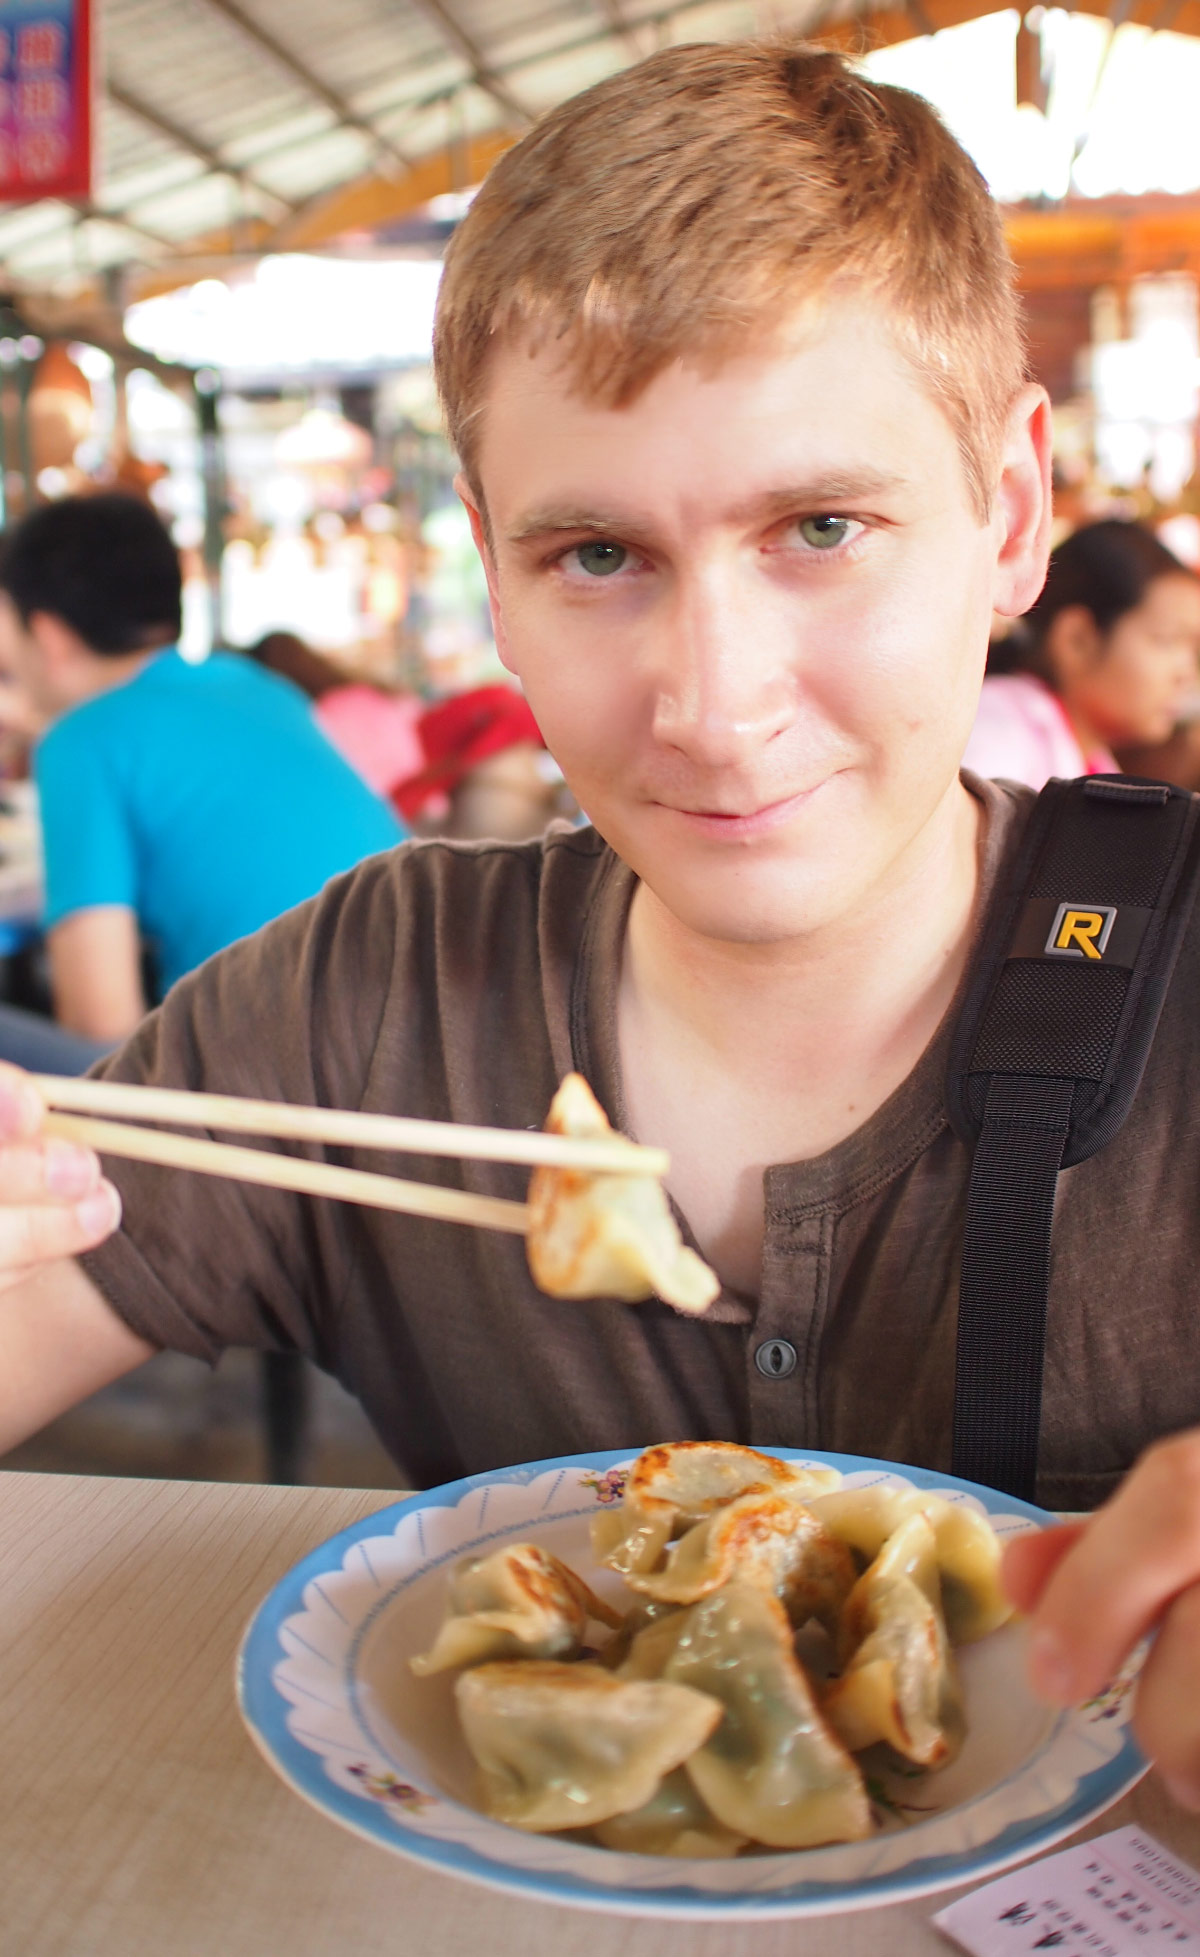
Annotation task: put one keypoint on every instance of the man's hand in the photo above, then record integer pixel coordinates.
(59, 1338)
(1093, 1589)
(54, 1201)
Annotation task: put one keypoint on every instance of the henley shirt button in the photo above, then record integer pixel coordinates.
(776, 1359)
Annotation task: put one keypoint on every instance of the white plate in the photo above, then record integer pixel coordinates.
(325, 1689)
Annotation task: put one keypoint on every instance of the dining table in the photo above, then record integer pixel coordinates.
(137, 1818)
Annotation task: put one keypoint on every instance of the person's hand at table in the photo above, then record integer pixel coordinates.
(60, 1339)
(1092, 1589)
(54, 1199)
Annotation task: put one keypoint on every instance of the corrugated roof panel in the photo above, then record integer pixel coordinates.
(493, 24)
(391, 63)
(551, 80)
(351, 45)
(545, 34)
(323, 161)
(53, 257)
(206, 202)
(195, 66)
(124, 141)
(162, 174)
(396, 100)
(256, 147)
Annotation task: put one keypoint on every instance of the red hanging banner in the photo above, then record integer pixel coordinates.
(45, 99)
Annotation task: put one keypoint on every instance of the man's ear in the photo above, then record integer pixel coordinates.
(479, 530)
(60, 649)
(1023, 505)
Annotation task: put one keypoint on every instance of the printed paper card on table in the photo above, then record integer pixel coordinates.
(1114, 1896)
(45, 99)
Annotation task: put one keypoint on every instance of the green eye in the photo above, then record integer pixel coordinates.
(600, 560)
(824, 532)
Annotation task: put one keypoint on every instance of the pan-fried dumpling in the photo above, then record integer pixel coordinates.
(607, 1235)
(968, 1556)
(764, 1540)
(910, 1551)
(630, 1538)
(566, 1746)
(772, 1770)
(968, 1551)
(674, 1821)
(517, 1602)
(900, 1682)
(864, 1518)
(673, 1487)
(613, 1654)
(692, 1478)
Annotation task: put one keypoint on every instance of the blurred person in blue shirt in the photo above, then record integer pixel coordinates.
(183, 805)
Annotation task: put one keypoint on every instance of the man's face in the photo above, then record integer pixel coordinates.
(27, 683)
(750, 612)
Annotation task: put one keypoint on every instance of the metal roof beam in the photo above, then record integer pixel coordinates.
(482, 74)
(614, 13)
(183, 139)
(86, 212)
(342, 109)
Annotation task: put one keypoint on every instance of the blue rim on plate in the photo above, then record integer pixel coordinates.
(299, 1694)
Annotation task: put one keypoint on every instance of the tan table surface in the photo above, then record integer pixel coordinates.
(138, 1820)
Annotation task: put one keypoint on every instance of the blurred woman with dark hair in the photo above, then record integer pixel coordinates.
(1105, 659)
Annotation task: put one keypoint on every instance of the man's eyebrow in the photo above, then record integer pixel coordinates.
(814, 494)
(555, 518)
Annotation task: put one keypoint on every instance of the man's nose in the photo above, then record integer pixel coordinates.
(724, 684)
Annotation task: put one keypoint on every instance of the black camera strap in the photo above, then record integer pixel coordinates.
(1046, 1059)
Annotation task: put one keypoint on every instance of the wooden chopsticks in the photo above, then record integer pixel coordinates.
(388, 1131)
(290, 1172)
(331, 1125)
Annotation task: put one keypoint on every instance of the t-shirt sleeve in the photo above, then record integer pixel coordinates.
(291, 1014)
(90, 851)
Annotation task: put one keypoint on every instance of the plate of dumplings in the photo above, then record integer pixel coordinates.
(698, 1682)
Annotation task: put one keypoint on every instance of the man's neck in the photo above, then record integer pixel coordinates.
(96, 673)
(788, 1048)
(1091, 739)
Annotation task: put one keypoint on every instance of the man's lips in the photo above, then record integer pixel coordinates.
(753, 819)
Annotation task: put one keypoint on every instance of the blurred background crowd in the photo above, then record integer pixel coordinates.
(244, 636)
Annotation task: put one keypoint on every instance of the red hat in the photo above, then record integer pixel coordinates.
(460, 732)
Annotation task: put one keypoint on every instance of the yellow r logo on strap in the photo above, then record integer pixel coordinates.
(1080, 933)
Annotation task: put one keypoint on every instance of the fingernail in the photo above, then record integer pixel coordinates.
(1051, 1669)
(100, 1213)
(69, 1170)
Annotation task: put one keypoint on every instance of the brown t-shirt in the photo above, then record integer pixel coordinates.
(460, 982)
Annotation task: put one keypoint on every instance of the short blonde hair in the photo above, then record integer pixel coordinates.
(697, 200)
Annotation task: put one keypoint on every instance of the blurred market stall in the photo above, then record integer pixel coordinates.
(234, 318)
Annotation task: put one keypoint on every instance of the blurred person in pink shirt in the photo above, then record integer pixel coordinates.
(374, 727)
(470, 765)
(1104, 659)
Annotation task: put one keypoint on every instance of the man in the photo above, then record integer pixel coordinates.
(730, 353)
(182, 805)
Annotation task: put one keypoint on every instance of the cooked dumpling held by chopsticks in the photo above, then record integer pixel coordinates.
(607, 1235)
